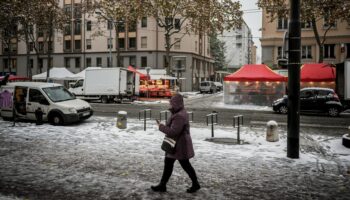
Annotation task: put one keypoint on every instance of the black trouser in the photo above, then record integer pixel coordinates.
(185, 164)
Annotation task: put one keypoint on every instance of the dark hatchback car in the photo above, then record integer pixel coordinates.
(313, 100)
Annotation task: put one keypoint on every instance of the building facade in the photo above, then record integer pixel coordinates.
(86, 42)
(336, 48)
(239, 47)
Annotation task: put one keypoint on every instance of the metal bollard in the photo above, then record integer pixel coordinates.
(239, 120)
(165, 112)
(212, 116)
(122, 119)
(271, 131)
(190, 113)
(145, 111)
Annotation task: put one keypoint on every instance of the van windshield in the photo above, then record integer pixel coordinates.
(59, 93)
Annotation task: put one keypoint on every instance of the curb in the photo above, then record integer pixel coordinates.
(301, 125)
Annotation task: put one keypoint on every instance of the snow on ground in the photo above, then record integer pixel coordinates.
(96, 160)
(241, 107)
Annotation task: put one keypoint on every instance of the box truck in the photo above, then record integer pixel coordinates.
(107, 85)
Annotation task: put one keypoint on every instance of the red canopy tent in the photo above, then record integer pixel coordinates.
(317, 72)
(15, 78)
(255, 72)
(142, 76)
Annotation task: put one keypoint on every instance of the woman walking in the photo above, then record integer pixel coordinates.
(178, 128)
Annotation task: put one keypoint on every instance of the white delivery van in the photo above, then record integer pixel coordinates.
(58, 105)
(106, 84)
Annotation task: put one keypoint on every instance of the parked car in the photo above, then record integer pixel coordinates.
(313, 100)
(218, 86)
(58, 105)
(207, 86)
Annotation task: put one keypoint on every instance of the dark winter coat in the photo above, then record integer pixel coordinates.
(178, 126)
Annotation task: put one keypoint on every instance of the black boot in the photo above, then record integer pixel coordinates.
(194, 188)
(159, 188)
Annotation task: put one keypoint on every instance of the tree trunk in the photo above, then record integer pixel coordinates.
(49, 50)
(167, 54)
(29, 70)
(318, 40)
(117, 43)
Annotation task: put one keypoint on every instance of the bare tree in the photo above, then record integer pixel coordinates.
(312, 11)
(121, 13)
(185, 16)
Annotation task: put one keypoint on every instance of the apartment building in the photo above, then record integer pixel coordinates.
(336, 48)
(85, 42)
(239, 47)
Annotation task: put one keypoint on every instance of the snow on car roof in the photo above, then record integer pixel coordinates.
(317, 88)
(34, 84)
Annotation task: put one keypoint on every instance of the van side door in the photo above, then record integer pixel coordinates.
(37, 100)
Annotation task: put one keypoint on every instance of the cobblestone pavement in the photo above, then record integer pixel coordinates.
(93, 160)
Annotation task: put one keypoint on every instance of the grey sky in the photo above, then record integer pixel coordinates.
(252, 16)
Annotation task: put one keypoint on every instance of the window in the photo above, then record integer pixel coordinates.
(88, 25)
(77, 44)
(282, 23)
(31, 63)
(41, 63)
(13, 47)
(31, 46)
(177, 43)
(77, 62)
(36, 96)
(68, 10)
(88, 62)
(348, 50)
(110, 43)
(50, 46)
(67, 30)
(6, 63)
(121, 27)
(121, 43)
(109, 64)
(99, 62)
(40, 32)
(143, 61)
(77, 27)
(306, 25)
(143, 42)
(195, 46)
(41, 46)
(238, 37)
(77, 11)
(144, 22)
(132, 42)
(306, 52)
(67, 45)
(67, 62)
(328, 51)
(132, 61)
(88, 43)
(110, 25)
(132, 26)
(279, 52)
(327, 22)
(177, 24)
(239, 45)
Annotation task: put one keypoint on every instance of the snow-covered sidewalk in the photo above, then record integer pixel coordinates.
(96, 160)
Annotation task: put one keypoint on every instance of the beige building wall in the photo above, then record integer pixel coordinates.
(199, 63)
(272, 39)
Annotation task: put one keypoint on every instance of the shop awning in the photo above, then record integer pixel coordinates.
(317, 72)
(142, 76)
(255, 72)
(15, 78)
